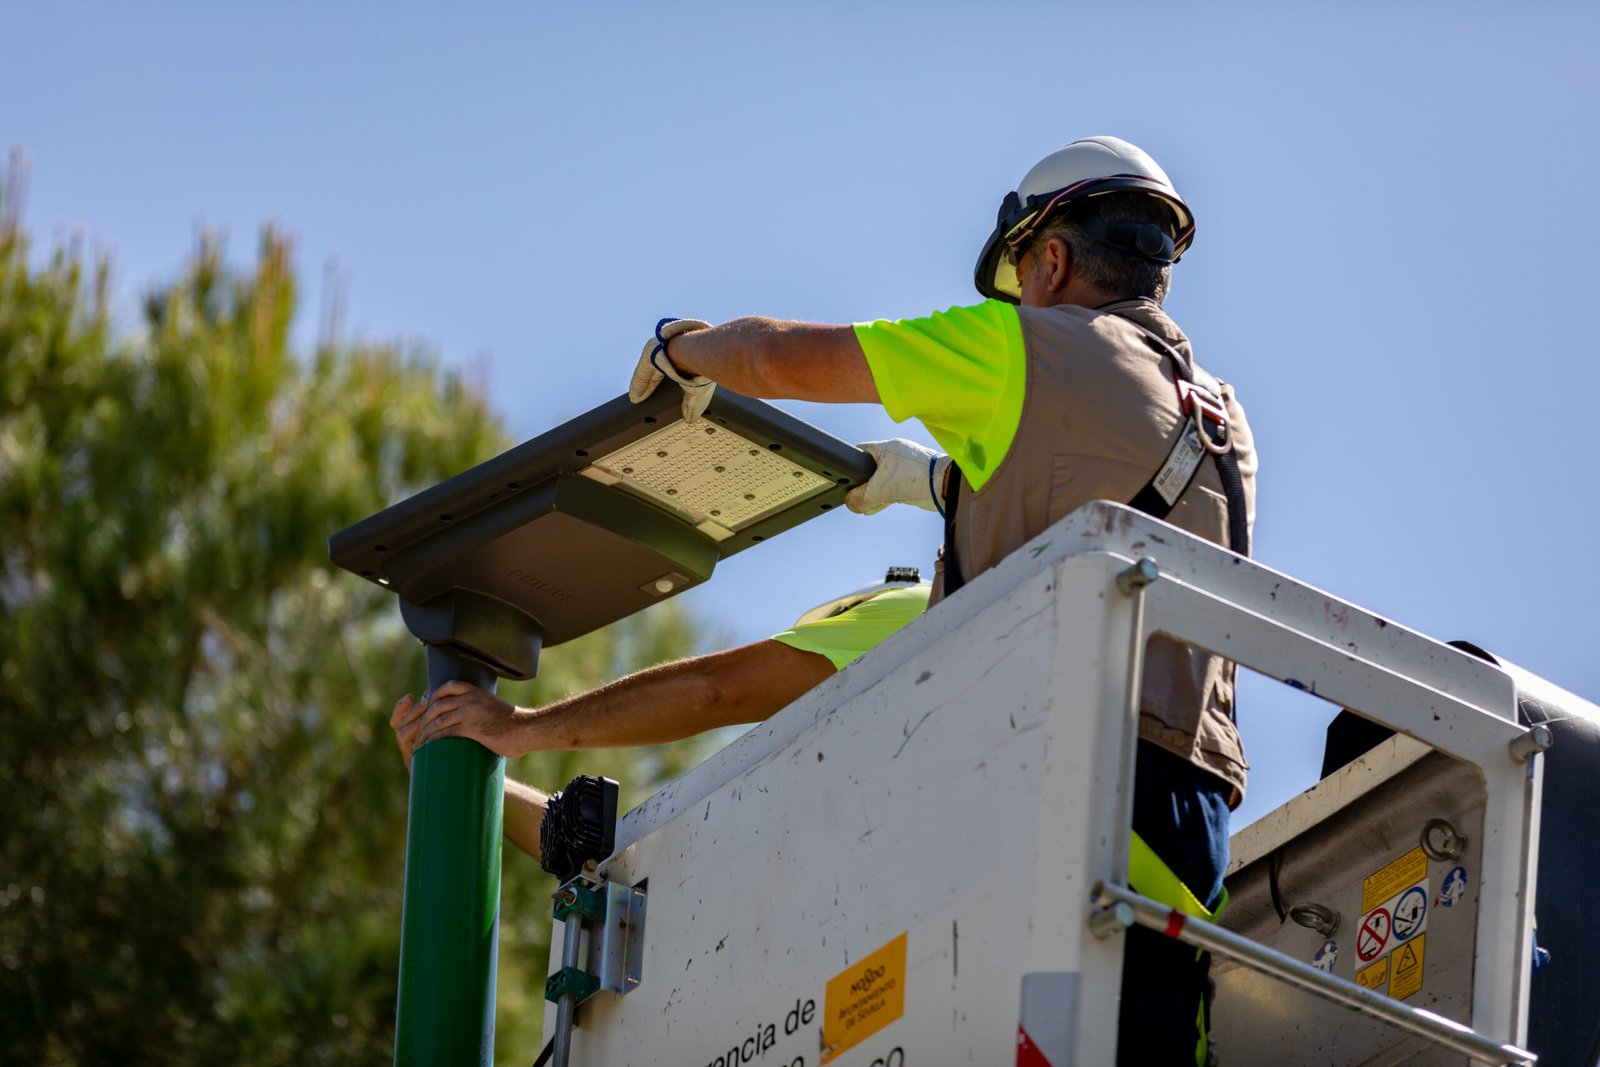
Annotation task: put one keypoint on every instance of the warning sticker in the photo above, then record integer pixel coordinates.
(1374, 936)
(1407, 965)
(863, 999)
(1374, 976)
(1410, 912)
(1407, 870)
(1392, 923)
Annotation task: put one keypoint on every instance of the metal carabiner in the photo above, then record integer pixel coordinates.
(1200, 404)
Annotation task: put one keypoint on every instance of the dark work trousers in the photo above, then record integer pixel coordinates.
(1181, 812)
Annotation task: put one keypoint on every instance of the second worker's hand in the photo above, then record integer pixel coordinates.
(458, 709)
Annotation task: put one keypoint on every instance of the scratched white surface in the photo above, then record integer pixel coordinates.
(980, 743)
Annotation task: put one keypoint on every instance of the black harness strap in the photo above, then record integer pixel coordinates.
(953, 578)
(1233, 491)
(1158, 504)
(1163, 491)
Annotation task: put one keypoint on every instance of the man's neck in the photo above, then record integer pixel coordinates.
(1080, 295)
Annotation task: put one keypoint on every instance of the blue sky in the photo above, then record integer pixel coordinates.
(1393, 203)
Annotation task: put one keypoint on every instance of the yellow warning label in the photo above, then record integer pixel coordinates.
(863, 999)
(1407, 870)
(1408, 968)
(1374, 976)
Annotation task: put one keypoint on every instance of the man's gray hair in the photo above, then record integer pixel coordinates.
(1110, 269)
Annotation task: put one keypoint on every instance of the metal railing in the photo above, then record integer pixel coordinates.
(1117, 908)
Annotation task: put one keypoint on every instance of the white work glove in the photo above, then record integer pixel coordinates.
(907, 473)
(654, 365)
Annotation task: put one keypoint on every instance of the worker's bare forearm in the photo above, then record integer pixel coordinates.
(524, 815)
(665, 703)
(774, 359)
(680, 699)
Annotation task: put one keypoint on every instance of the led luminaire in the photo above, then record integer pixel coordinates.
(593, 520)
(719, 480)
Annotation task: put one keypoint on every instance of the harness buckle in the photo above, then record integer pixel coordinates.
(1202, 405)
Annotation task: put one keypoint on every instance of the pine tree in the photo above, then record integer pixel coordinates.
(202, 811)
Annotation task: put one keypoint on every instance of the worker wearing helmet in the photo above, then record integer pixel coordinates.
(1068, 384)
(667, 702)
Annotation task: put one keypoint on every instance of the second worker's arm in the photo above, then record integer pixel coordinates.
(524, 805)
(664, 703)
(524, 815)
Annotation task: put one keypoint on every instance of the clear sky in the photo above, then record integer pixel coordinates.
(1393, 201)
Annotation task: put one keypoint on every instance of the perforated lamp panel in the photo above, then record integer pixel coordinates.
(723, 482)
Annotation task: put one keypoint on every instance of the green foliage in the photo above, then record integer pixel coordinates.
(204, 814)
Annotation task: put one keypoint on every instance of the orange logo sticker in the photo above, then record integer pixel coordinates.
(863, 999)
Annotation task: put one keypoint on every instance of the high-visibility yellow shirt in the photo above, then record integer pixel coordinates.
(962, 373)
(851, 634)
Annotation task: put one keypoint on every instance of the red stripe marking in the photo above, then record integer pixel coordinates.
(1174, 924)
(1028, 1054)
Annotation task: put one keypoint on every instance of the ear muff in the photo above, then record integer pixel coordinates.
(1142, 239)
(1154, 244)
(1009, 207)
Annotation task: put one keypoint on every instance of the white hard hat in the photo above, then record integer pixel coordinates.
(897, 578)
(1086, 168)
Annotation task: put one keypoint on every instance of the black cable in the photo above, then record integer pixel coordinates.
(544, 1054)
(1273, 859)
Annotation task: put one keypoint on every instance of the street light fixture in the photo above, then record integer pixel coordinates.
(618, 509)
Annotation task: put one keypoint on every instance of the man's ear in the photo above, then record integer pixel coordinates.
(1057, 263)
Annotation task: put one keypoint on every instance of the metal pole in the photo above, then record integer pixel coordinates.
(1120, 904)
(1132, 582)
(573, 934)
(450, 924)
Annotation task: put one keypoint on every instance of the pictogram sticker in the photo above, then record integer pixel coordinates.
(863, 999)
(1374, 935)
(1391, 924)
(1407, 967)
(1454, 887)
(1410, 911)
(1374, 976)
(1385, 883)
(1326, 956)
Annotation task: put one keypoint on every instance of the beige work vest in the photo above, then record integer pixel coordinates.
(1099, 416)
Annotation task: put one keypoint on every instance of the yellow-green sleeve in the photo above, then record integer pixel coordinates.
(962, 373)
(850, 635)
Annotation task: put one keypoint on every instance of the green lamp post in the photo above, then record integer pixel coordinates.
(599, 518)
